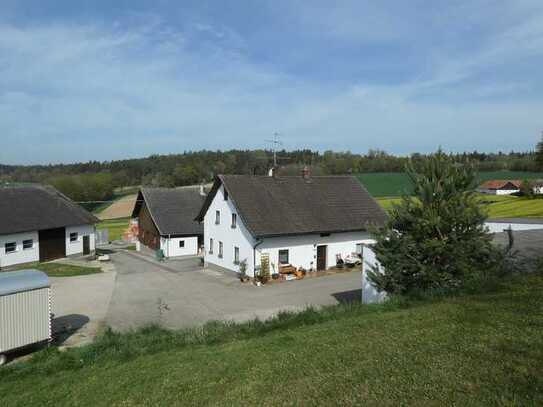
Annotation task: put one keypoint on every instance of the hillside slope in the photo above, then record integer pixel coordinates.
(469, 350)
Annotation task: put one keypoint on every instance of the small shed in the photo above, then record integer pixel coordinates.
(25, 310)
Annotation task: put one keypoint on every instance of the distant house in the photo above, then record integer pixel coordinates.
(498, 225)
(500, 187)
(165, 218)
(538, 187)
(295, 221)
(38, 223)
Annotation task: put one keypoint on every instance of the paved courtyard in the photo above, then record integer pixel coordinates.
(180, 293)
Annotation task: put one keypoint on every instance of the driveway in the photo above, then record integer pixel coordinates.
(179, 293)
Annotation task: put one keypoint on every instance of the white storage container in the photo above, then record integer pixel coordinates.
(25, 310)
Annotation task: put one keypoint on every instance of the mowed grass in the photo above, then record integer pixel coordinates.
(55, 269)
(116, 227)
(484, 349)
(391, 184)
(495, 206)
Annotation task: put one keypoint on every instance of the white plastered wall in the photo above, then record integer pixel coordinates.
(170, 246)
(20, 255)
(73, 248)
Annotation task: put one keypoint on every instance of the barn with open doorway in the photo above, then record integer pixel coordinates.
(40, 224)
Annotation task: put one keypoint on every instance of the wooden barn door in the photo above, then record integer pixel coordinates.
(52, 244)
(321, 257)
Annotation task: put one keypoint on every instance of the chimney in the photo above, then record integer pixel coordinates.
(305, 172)
(202, 190)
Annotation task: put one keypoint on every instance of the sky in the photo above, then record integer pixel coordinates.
(104, 80)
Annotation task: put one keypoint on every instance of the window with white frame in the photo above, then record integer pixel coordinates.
(220, 250)
(217, 217)
(181, 243)
(234, 220)
(10, 247)
(210, 246)
(28, 244)
(236, 255)
(73, 237)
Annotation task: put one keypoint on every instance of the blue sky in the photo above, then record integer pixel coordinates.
(102, 80)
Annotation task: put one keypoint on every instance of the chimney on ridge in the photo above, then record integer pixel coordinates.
(305, 172)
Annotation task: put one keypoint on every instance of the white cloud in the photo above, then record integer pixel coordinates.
(79, 92)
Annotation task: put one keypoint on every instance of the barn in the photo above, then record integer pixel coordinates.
(38, 223)
(165, 218)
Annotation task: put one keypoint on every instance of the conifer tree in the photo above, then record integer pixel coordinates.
(436, 238)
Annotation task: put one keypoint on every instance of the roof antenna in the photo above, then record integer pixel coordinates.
(276, 142)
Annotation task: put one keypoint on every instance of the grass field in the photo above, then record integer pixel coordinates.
(390, 184)
(56, 269)
(116, 227)
(495, 206)
(484, 349)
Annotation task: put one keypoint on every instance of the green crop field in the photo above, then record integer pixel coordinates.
(116, 227)
(381, 184)
(495, 206)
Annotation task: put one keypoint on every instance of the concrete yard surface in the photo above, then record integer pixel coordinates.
(179, 293)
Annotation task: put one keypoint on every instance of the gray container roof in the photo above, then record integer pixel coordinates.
(12, 282)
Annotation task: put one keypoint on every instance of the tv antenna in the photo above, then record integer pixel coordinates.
(275, 142)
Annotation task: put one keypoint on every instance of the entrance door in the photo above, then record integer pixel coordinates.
(321, 257)
(86, 244)
(52, 244)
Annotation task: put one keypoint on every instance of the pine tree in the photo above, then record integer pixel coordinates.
(436, 238)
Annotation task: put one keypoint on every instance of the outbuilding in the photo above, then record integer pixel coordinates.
(25, 310)
(38, 223)
(165, 219)
(286, 222)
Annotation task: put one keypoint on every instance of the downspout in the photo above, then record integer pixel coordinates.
(169, 242)
(258, 243)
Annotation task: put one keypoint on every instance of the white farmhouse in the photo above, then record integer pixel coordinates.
(38, 223)
(302, 221)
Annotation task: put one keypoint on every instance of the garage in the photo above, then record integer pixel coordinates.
(52, 244)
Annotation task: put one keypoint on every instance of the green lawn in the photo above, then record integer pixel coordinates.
(496, 206)
(389, 184)
(116, 227)
(484, 349)
(56, 269)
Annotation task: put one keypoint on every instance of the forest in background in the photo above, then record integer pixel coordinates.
(95, 180)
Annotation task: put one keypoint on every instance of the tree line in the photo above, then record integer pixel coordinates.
(96, 180)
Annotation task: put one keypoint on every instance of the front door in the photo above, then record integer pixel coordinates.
(86, 244)
(321, 257)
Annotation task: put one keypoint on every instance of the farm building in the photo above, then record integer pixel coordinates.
(38, 223)
(165, 218)
(500, 187)
(286, 222)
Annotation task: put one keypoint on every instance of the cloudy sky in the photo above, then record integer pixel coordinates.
(101, 80)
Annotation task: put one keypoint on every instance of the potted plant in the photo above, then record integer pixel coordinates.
(243, 271)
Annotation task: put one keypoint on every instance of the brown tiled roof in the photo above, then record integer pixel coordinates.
(38, 207)
(501, 184)
(274, 206)
(172, 209)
